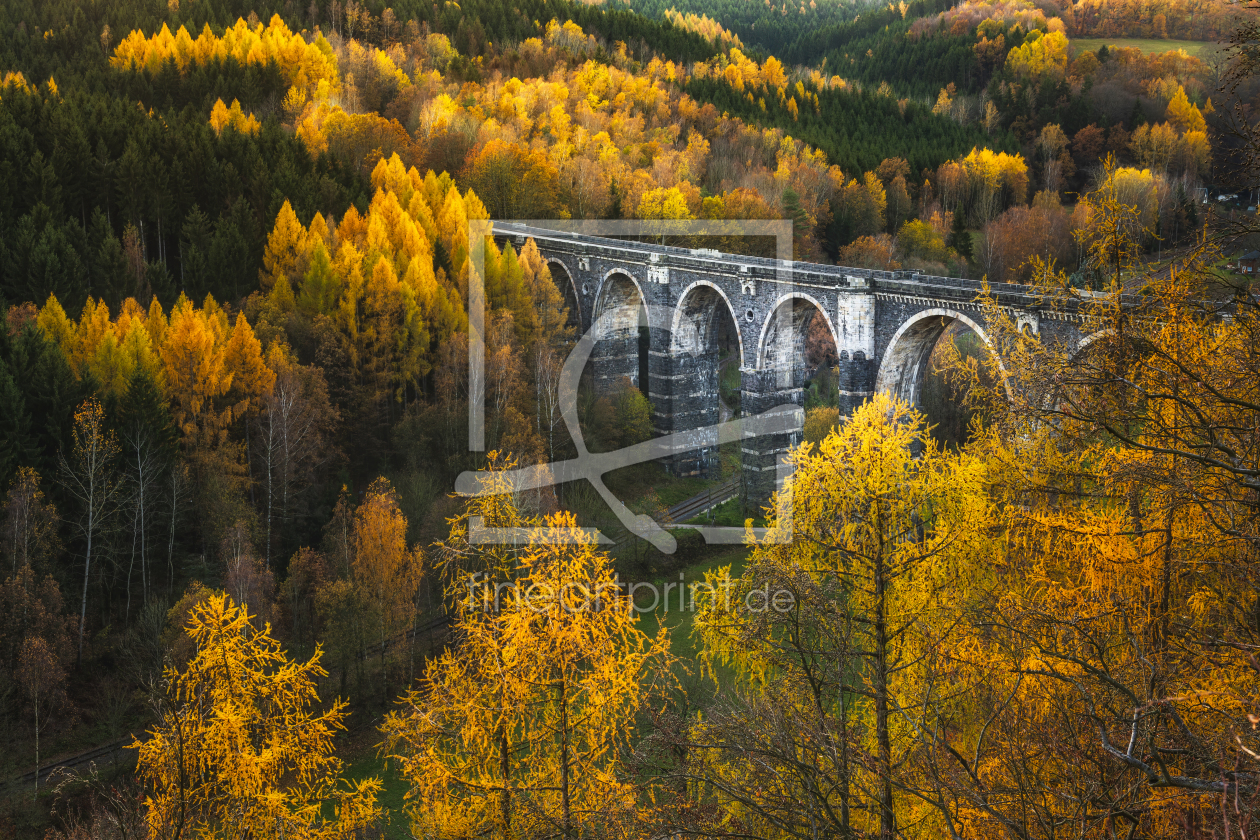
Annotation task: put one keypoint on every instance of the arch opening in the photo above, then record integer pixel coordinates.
(914, 369)
(624, 338)
(704, 328)
(798, 342)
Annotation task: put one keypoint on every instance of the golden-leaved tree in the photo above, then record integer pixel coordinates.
(386, 572)
(306, 66)
(241, 747)
(377, 278)
(1121, 649)
(838, 631)
(518, 729)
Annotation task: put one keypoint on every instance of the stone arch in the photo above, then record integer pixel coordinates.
(618, 291)
(1084, 343)
(775, 351)
(617, 316)
(694, 327)
(905, 356)
(570, 290)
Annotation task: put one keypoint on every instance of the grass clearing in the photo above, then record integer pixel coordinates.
(366, 764)
(633, 482)
(678, 621)
(1148, 46)
(730, 513)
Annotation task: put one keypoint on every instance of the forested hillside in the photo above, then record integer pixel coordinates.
(234, 400)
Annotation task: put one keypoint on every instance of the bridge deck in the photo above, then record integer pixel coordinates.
(907, 282)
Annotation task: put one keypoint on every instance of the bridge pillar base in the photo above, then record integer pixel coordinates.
(762, 390)
(614, 359)
(856, 382)
(684, 400)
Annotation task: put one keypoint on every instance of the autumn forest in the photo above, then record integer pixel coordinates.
(240, 597)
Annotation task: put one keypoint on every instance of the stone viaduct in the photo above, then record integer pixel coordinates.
(884, 325)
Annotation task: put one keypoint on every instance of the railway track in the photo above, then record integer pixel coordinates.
(114, 752)
(701, 502)
(676, 516)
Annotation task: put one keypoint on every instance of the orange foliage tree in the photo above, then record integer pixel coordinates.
(240, 747)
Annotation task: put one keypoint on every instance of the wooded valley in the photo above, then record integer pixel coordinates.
(235, 393)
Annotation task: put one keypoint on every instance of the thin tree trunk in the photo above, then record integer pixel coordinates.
(170, 544)
(1165, 595)
(36, 746)
(144, 564)
(87, 571)
(270, 491)
(566, 805)
(249, 465)
(505, 799)
(131, 565)
(384, 681)
(887, 826)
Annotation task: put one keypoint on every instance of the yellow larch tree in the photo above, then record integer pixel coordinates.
(1040, 54)
(392, 305)
(1118, 221)
(1184, 114)
(251, 379)
(222, 116)
(386, 571)
(1118, 645)
(305, 65)
(286, 251)
(517, 730)
(837, 627)
(241, 748)
(195, 369)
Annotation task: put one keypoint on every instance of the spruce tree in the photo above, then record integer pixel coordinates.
(960, 237)
(17, 444)
(1137, 116)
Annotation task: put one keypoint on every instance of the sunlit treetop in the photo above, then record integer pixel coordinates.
(308, 66)
(221, 117)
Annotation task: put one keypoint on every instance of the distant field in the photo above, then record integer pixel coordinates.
(1146, 45)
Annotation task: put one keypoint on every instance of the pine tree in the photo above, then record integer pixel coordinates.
(17, 444)
(960, 237)
(1137, 116)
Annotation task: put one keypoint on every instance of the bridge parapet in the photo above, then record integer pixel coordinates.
(784, 271)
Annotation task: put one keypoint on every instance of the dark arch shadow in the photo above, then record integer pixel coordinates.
(784, 333)
(622, 333)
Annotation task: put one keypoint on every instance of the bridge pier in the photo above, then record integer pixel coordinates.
(855, 381)
(616, 357)
(762, 390)
(684, 390)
